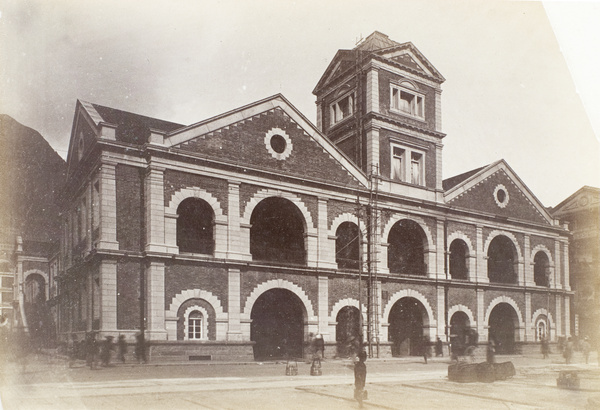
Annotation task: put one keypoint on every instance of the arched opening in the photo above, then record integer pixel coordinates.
(195, 226)
(407, 320)
(458, 259)
(39, 320)
(502, 258)
(347, 331)
(542, 329)
(461, 333)
(346, 246)
(277, 232)
(196, 320)
(195, 325)
(277, 327)
(406, 252)
(503, 325)
(541, 269)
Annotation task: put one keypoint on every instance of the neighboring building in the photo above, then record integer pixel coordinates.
(29, 226)
(241, 235)
(582, 212)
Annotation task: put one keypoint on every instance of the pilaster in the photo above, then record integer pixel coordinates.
(441, 311)
(108, 295)
(566, 282)
(441, 251)
(323, 282)
(558, 270)
(373, 150)
(234, 331)
(234, 246)
(481, 326)
(108, 207)
(559, 327)
(155, 307)
(567, 316)
(372, 90)
(155, 209)
(529, 327)
(326, 246)
(438, 110)
(481, 274)
(529, 267)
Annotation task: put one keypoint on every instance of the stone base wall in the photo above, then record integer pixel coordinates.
(190, 351)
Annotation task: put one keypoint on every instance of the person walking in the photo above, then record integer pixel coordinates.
(568, 352)
(92, 350)
(320, 346)
(491, 352)
(585, 349)
(426, 348)
(439, 348)
(360, 378)
(545, 348)
(122, 348)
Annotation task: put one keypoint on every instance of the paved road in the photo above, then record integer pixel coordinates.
(49, 384)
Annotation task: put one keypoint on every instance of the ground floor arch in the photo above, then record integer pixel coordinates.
(408, 326)
(503, 328)
(347, 331)
(278, 325)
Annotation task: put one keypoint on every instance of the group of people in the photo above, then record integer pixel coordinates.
(570, 347)
(94, 351)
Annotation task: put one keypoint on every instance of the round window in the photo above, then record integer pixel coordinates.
(278, 143)
(501, 196)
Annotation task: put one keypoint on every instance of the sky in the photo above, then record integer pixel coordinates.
(521, 77)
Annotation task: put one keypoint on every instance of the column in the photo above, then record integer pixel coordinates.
(108, 295)
(234, 330)
(529, 331)
(528, 263)
(440, 250)
(441, 312)
(108, 207)
(559, 328)
(481, 274)
(558, 271)
(481, 325)
(566, 282)
(155, 209)
(326, 247)
(155, 305)
(323, 307)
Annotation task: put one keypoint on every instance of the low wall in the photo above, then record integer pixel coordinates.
(189, 351)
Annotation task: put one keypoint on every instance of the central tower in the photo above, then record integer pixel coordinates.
(380, 103)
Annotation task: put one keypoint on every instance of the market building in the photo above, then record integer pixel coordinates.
(243, 235)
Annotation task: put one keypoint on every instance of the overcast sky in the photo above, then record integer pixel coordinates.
(511, 91)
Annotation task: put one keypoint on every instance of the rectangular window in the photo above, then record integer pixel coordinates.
(342, 108)
(407, 101)
(398, 163)
(407, 164)
(195, 328)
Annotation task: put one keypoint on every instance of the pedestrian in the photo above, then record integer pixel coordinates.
(122, 345)
(92, 350)
(585, 349)
(426, 348)
(545, 348)
(360, 377)
(140, 348)
(439, 348)
(320, 346)
(72, 349)
(491, 351)
(107, 347)
(568, 352)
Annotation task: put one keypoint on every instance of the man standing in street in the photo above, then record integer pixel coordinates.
(360, 377)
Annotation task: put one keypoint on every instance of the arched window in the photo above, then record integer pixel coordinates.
(277, 232)
(196, 325)
(406, 252)
(195, 226)
(502, 258)
(346, 246)
(458, 259)
(541, 269)
(541, 331)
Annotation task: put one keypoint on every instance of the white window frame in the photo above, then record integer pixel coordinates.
(204, 325)
(335, 110)
(417, 107)
(541, 323)
(407, 161)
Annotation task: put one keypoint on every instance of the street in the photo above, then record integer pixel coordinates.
(48, 383)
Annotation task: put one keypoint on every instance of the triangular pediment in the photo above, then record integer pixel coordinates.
(84, 134)
(585, 198)
(409, 56)
(272, 136)
(496, 189)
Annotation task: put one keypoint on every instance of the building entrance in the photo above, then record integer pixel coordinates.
(277, 325)
(503, 323)
(406, 327)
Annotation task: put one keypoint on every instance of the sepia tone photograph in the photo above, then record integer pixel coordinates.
(299, 205)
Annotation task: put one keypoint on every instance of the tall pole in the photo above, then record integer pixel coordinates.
(360, 271)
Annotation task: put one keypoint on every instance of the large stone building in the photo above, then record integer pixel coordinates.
(582, 212)
(242, 235)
